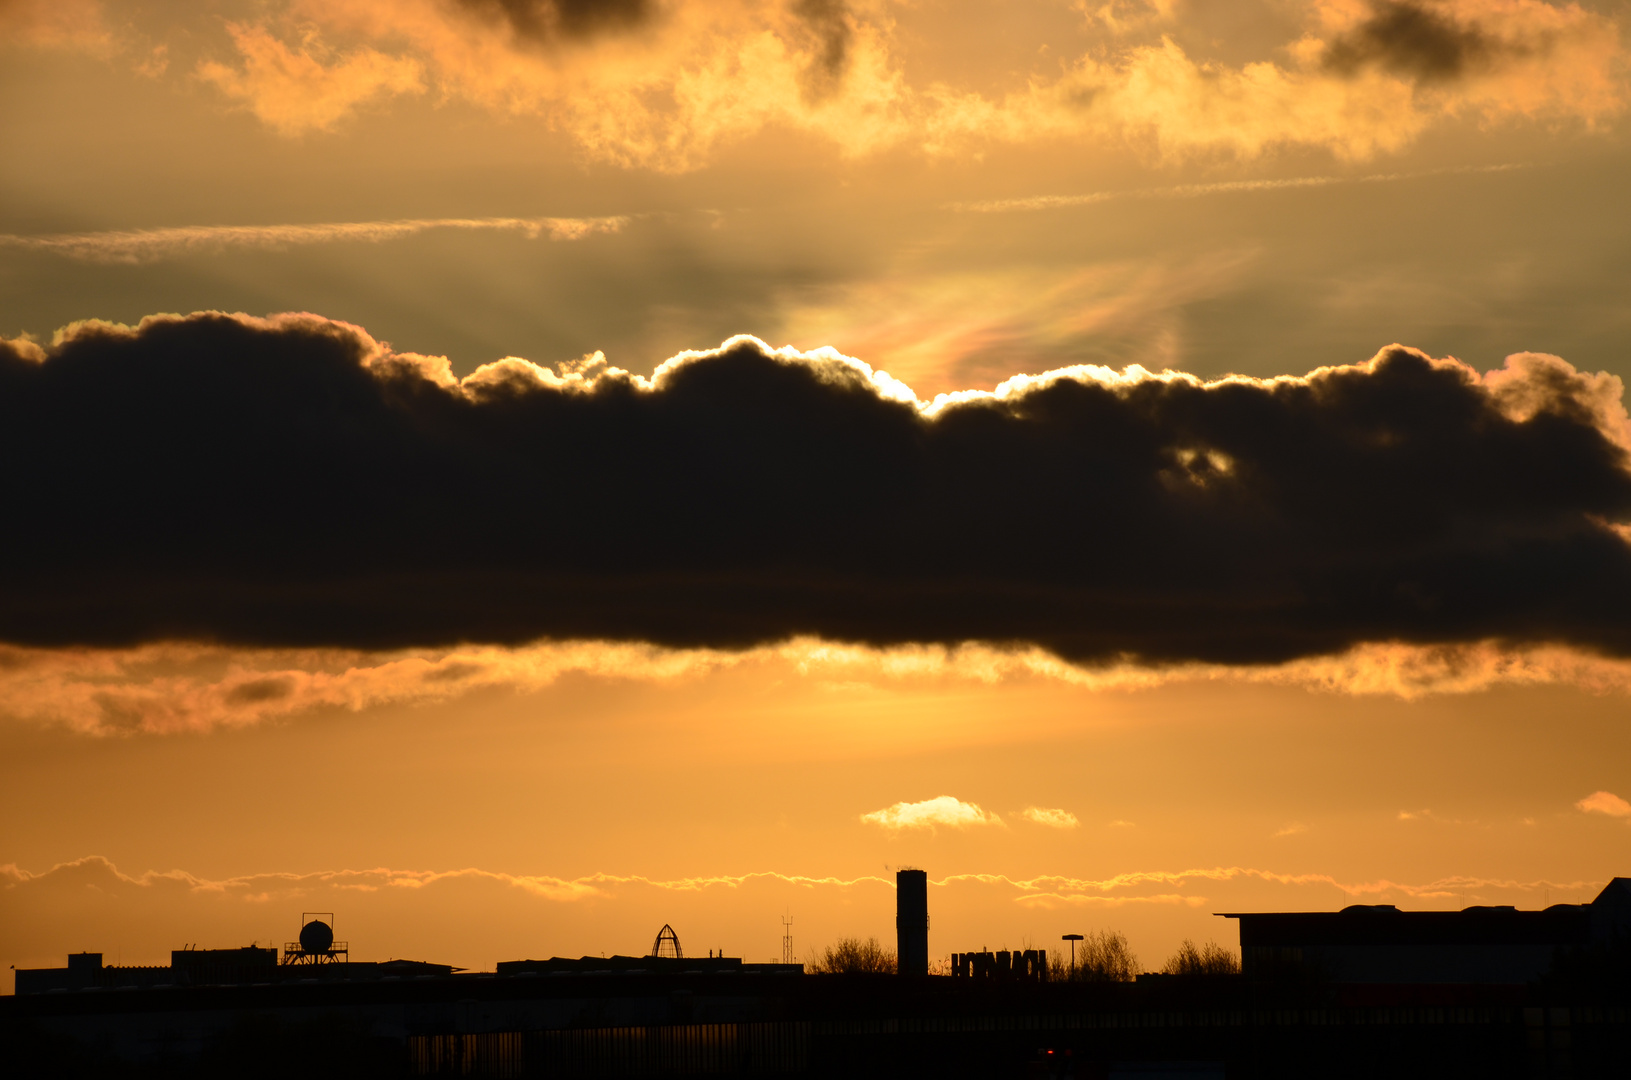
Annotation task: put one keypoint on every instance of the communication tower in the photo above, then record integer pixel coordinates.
(787, 939)
(316, 944)
(667, 945)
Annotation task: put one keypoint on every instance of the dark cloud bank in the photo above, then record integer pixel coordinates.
(267, 484)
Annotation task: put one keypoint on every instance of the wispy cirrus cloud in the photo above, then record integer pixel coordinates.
(1148, 886)
(1052, 818)
(1604, 802)
(1455, 887)
(102, 872)
(137, 246)
(943, 810)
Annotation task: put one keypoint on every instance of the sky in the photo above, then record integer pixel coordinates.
(516, 473)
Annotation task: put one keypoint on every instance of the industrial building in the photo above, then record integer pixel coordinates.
(1379, 944)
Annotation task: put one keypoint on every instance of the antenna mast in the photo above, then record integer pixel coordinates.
(787, 939)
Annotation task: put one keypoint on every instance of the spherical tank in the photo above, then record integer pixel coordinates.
(316, 937)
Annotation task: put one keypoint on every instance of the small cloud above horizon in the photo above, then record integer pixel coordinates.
(1604, 802)
(1055, 819)
(1292, 829)
(931, 813)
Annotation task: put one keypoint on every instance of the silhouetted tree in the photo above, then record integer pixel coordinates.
(851, 956)
(1208, 959)
(1100, 957)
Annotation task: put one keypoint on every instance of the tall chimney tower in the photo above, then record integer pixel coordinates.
(912, 921)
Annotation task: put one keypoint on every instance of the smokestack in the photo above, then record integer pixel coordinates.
(912, 921)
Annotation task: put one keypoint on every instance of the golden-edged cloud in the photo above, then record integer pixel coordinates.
(1249, 522)
(666, 85)
(930, 814)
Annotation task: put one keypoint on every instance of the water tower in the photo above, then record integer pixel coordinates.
(316, 944)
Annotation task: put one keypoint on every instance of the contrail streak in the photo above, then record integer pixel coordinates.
(135, 246)
(1193, 191)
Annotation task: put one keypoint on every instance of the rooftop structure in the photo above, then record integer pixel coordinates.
(667, 945)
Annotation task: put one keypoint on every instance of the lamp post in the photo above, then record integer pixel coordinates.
(1073, 939)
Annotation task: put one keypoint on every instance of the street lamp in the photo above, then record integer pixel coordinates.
(1073, 939)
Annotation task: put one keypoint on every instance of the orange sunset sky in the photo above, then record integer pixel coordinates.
(514, 473)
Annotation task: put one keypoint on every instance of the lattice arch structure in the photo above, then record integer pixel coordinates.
(667, 945)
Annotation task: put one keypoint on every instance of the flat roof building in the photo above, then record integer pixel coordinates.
(1378, 943)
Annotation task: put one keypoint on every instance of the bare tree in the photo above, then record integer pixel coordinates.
(852, 955)
(1208, 959)
(1100, 957)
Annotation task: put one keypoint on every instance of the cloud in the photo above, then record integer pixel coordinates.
(171, 688)
(552, 21)
(291, 483)
(942, 810)
(1604, 802)
(99, 874)
(1294, 829)
(1362, 81)
(55, 24)
(665, 86)
(149, 245)
(295, 89)
(1056, 819)
(1426, 814)
(1081, 890)
(1422, 41)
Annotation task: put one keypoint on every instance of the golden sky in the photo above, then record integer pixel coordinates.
(662, 461)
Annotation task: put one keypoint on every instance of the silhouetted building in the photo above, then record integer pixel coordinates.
(1028, 966)
(642, 965)
(248, 966)
(1378, 943)
(205, 967)
(912, 922)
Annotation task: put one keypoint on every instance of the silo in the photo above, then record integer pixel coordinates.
(912, 921)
